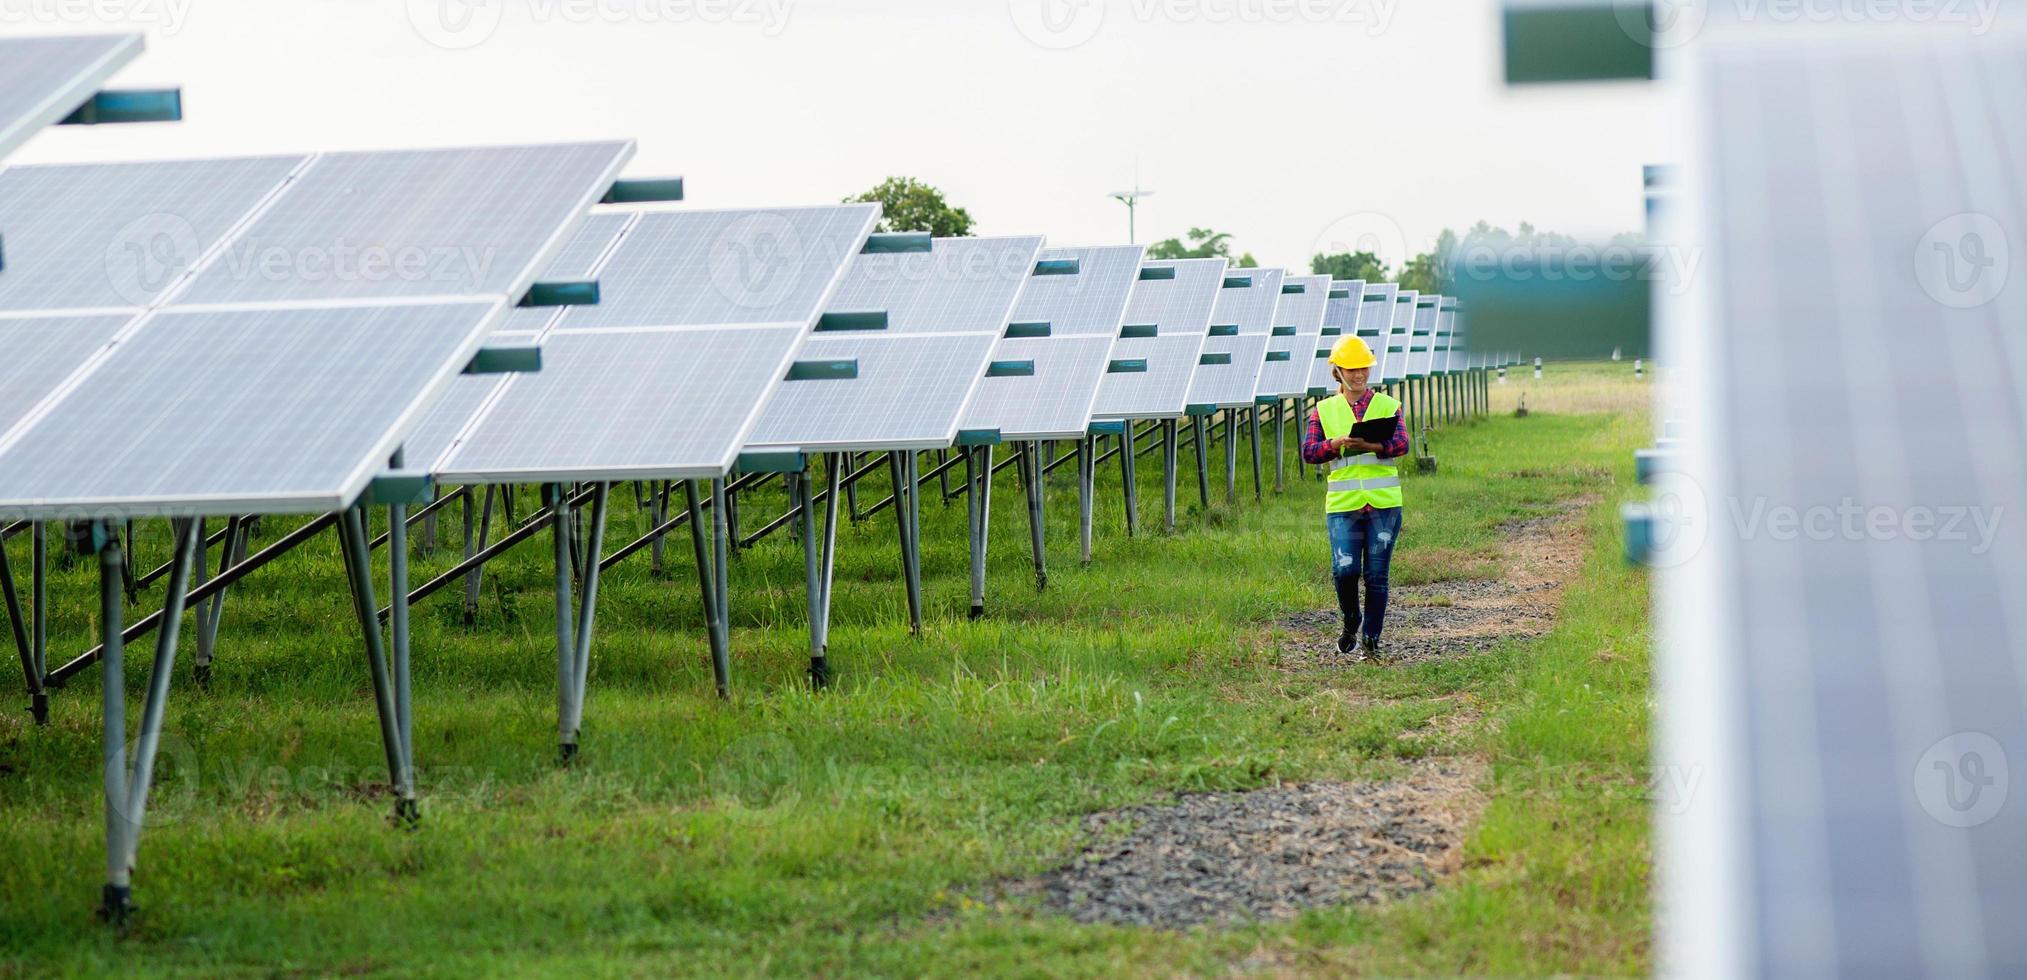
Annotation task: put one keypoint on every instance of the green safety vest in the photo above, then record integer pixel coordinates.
(1365, 480)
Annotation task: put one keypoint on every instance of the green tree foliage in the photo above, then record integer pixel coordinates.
(908, 204)
(1349, 265)
(1203, 244)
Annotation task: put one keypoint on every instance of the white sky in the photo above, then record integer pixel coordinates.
(1299, 125)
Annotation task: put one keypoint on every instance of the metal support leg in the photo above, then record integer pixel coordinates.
(707, 587)
(127, 789)
(896, 468)
(1253, 426)
(1231, 458)
(39, 608)
(1169, 449)
(397, 635)
(978, 471)
(1031, 478)
(31, 678)
(561, 528)
(721, 553)
(658, 514)
(359, 567)
(1280, 446)
(819, 664)
(1203, 460)
(1086, 471)
(472, 577)
(911, 473)
(1131, 480)
(813, 586)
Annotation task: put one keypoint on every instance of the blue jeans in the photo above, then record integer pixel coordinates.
(1362, 546)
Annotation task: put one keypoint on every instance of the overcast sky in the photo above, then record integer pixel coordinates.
(1296, 125)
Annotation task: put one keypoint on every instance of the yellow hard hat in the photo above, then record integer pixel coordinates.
(1351, 353)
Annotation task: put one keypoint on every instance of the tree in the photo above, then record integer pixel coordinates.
(1349, 265)
(1204, 244)
(907, 204)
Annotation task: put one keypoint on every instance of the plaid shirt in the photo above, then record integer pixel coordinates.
(1315, 452)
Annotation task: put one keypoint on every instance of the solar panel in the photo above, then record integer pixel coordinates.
(1171, 306)
(254, 407)
(1302, 313)
(1091, 301)
(943, 312)
(247, 411)
(1081, 307)
(908, 394)
(730, 267)
(1422, 337)
(647, 403)
(113, 235)
(1233, 374)
(1179, 303)
(381, 225)
(41, 352)
(633, 398)
(1400, 334)
(1052, 402)
(44, 79)
(1248, 300)
(962, 285)
(1842, 650)
(1149, 377)
(1375, 323)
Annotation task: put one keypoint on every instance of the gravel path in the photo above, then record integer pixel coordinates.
(1268, 854)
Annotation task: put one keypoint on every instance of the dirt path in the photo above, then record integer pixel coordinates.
(1269, 854)
(1442, 620)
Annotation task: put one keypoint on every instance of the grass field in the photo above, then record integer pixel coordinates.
(862, 830)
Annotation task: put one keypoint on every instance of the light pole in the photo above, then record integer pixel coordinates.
(1132, 201)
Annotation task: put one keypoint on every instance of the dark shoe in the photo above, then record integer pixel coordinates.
(1369, 647)
(1347, 641)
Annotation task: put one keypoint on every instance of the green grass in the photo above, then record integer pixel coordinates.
(860, 830)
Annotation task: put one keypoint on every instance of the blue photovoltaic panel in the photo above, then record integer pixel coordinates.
(246, 412)
(1340, 320)
(412, 223)
(1052, 403)
(1248, 300)
(1180, 304)
(1842, 682)
(41, 352)
(1083, 311)
(1229, 385)
(1400, 334)
(1178, 308)
(1422, 337)
(962, 285)
(109, 235)
(1091, 301)
(663, 400)
(725, 268)
(44, 79)
(630, 404)
(909, 394)
(1161, 390)
(1302, 312)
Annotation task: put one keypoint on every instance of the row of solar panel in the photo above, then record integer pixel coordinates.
(262, 334)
